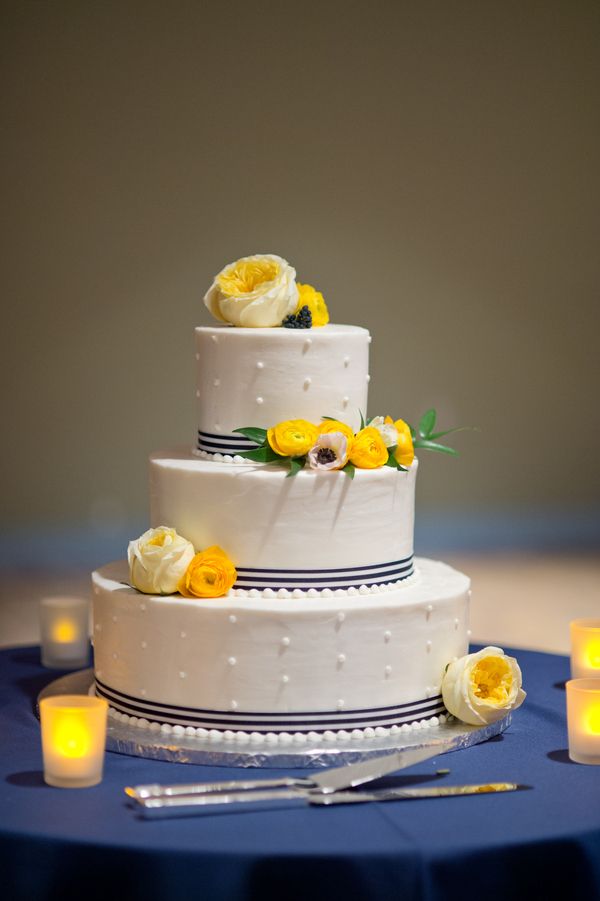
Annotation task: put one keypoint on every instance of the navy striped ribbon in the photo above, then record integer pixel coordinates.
(346, 577)
(247, 721)
(223, 444)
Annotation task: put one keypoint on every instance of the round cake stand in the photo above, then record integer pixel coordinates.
(125, 739)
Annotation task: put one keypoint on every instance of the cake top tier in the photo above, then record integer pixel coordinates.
(261, 376)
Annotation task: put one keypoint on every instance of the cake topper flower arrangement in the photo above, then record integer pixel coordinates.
(261, 291)
(163, 562)
(332, 445)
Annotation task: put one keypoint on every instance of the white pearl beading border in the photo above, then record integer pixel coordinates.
(222, 458)
(274, 738)
(297, 593)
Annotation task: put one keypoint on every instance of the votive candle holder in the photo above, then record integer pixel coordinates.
(585, 649)
(64, 627)
(583, 720)
(73, 740)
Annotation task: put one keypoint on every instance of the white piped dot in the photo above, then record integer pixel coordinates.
(232, 619)
(307, 343)
(178, 730)
(143, 692)
(260, 364)
(346, 361)
(283, 593)
(144, 644)
(234, 705)
(340, 592)
(98, 627)
(197, 392)
(429, 608)
(428, 646)
(363, 590)
(388, 670)
(285, 641)
(190, 730)
(367, 378)
(182, 675)
(216, 382)
(201, 732)
(260, 400)
(456, 623)
(166, 729)
(387, 635)
(341, 617)
(183, 634)
(469, 633)
(231, 661)
(327, 593)
(254, 593)
(269, 593)
(197, 356)
(297, 593)
(218, 458)
(341, 658)
(369, 339)
(214, 339)
(369, 732)
(340, 704)
(285, 679)
(115, 655)
(307, 382)
(217, 426)
(114, 619)
(352, 591)
(99, 673)
(312, 593)
(345, 401)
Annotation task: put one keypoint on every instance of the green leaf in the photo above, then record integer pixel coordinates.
(259, 436)
(330, 418)
(295, 464)
(260, 455)
(426, 444)
(427, 423)
(462, 428)
(349, 469)
(362, 420)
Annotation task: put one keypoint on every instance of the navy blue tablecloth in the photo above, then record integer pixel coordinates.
(88, 844)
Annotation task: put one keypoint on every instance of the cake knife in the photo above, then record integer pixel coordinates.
(333, 780)
(230, 802)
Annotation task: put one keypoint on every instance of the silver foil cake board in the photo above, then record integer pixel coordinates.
(121, 738)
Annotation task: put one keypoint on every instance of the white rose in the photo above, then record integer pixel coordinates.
(254, 292)
(483, 687)
(158, 560)
(387, 430)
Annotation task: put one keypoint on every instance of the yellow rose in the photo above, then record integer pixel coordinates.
(334, 425)
(368, 449)
(313, 299)
(254, 292)
(292, 438)
(405, 452)
(209, 575)
(482, 687)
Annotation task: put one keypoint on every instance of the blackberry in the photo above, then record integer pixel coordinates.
(301, 319)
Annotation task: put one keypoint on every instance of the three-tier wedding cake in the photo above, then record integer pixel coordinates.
(276, 595)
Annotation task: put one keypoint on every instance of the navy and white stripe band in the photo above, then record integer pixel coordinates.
(306, 721)
(223, 444)
(345, 577)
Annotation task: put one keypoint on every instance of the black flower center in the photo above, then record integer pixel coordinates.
(326, 455)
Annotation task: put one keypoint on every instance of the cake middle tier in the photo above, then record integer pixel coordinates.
(262, 376)
(313, 532)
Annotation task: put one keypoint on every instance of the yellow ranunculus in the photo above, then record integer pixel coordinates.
(368, 449)
(405, 452)
(209, 575)
(314, 300)
(334, 425)
(292, 438)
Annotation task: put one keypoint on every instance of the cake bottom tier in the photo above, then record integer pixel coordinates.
(267, 666)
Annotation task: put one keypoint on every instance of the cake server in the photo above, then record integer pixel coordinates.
(230, 802)
(327, 781)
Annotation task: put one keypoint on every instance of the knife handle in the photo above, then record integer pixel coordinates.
(219, 802)
(141, 792)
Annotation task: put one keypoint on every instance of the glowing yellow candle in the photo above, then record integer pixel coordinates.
(583, 718)
(64, 632)
(73, 740)
(585, 649)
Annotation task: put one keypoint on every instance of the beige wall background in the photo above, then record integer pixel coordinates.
(431, 167)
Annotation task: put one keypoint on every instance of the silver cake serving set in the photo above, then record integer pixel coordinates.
(125, 738)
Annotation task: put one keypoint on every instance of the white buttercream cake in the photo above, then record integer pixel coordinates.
(331, 625)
